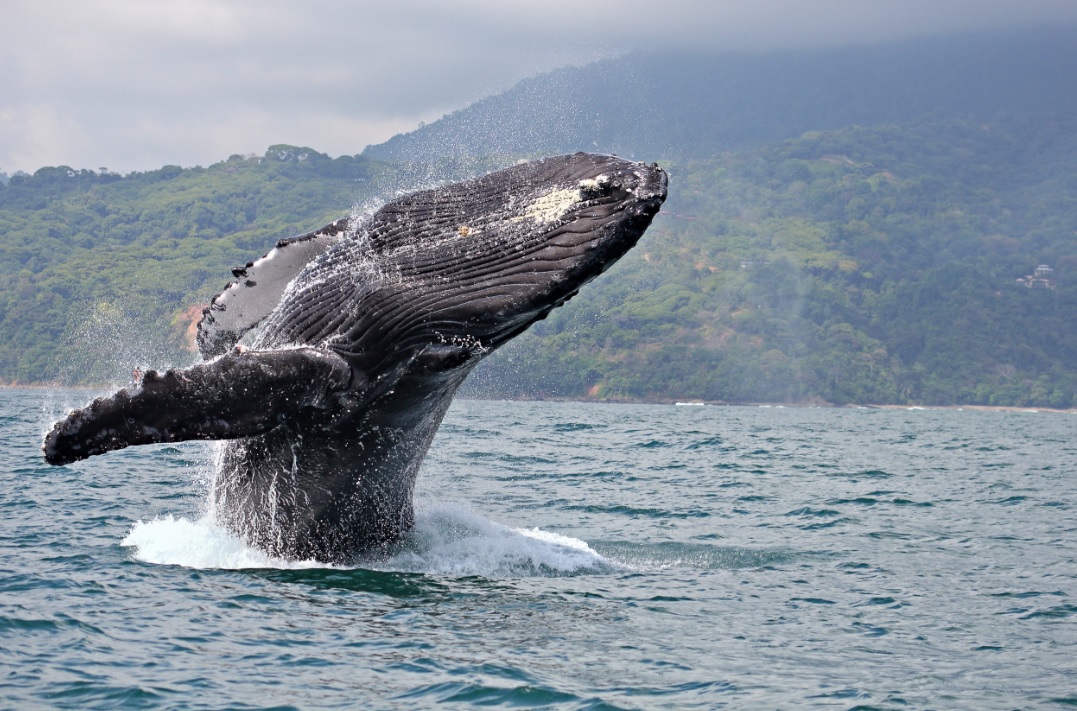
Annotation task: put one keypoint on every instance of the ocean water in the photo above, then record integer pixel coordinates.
(574, 556)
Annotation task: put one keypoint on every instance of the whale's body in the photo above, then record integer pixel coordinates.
(367, 328)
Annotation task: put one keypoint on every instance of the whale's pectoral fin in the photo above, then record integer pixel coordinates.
(259, 286)
(238, 395)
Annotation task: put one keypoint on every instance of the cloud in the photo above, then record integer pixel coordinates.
(135, 84)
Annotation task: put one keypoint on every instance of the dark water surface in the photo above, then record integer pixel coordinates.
(571, 556)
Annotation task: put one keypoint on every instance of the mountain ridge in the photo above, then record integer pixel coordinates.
(679, 105)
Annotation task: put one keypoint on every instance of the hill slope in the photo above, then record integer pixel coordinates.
(799, 258)
(870, 265)
(98, 272)
(681, 106)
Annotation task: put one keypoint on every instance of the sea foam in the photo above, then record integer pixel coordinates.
(448, 539)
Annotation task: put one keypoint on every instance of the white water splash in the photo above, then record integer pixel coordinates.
(447, 540)
(198, 544)
(453, 540)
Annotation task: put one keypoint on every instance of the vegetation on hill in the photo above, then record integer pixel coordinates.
(98, 272)
(866, 265)
(870, 264)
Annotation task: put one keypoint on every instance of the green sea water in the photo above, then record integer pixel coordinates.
(574, 556)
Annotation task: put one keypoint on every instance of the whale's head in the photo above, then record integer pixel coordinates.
(451, 273)
(529, 237)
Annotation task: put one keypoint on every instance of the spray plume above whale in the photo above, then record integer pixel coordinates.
(366, 329)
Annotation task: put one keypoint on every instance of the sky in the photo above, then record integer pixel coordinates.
(137, 84)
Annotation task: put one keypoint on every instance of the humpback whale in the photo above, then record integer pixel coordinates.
(329, 363)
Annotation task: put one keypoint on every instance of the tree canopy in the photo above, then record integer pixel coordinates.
(859, 265)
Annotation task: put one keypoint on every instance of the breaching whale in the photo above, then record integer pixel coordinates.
(357, 337)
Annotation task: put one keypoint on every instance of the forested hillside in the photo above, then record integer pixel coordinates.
(867, 265)
(871, 265)
(847, 226)
(98, 272)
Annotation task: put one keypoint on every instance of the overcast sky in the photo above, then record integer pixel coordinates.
(137, 84)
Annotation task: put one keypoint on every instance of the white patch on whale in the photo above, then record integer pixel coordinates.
(260, 285)
(551, 206)
(592, 184)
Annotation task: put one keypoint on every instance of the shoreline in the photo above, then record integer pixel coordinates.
(708, 403)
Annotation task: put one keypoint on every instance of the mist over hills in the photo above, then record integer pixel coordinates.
(844, 225)
(680, 106)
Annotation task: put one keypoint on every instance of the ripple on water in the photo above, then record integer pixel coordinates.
(492, 694)
(606, 557)
(670, 554)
